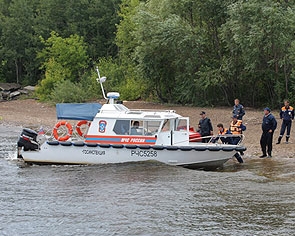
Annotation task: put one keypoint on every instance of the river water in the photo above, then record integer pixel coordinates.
(255, 198)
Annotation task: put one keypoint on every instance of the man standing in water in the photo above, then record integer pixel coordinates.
(269, 124)
(238, 110)
(205, 127)
(286, 115)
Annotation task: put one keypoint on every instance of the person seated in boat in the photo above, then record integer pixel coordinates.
(236, 128)
(222, 135)
(135, 129)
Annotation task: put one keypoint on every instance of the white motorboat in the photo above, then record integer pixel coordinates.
(112, 133)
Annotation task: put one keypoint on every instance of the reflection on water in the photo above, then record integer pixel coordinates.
(256, 198)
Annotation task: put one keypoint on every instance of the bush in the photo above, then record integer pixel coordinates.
(44, 89)
(67, 92)
(132, 89)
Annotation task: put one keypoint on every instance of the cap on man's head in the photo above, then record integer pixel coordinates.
(267, 109)
(202, 113)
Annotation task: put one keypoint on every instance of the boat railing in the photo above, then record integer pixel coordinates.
(63, 131)
(218, 137)
(139, 111)
(215, 138)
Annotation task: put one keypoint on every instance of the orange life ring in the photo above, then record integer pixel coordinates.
(79, 124)
(66, 137)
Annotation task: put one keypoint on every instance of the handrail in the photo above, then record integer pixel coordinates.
(212, 138)
(228, 136)
(150, 110)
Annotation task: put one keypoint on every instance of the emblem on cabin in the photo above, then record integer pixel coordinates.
(102, 126)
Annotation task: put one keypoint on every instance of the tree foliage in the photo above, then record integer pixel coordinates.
(64, 60)
(177, 48)
(209, 52)
(258, 36)
(23, 22)
(184, 51)
(17, 41)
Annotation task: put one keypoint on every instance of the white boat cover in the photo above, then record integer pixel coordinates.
(77, 111)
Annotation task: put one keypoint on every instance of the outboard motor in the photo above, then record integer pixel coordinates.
(28, 140)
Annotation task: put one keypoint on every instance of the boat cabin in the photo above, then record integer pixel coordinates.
(116, 124)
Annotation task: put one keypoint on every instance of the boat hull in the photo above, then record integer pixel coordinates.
(195, 156)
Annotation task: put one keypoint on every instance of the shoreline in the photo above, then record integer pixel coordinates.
(33, 114)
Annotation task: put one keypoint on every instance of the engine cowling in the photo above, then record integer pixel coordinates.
(28, 140)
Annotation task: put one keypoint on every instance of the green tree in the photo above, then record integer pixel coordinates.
(18, 41)
(63, 59)
(176, 45)
(258, 35)
(125, 35)
(128, 79)
(94, 20)
(22, 22)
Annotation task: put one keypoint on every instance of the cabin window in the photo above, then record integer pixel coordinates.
(181, 125)
(122, 127)
(136, 128)
(151, 127)
(166, 125)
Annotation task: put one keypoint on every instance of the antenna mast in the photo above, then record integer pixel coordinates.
(101, 80)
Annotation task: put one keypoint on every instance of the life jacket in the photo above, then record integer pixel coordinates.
(287, 113)
(224, 138)
(223, 133)
(236, 128)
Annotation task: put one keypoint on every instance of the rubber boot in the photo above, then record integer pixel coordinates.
(279, 140)
(287, 139)
(239, 158)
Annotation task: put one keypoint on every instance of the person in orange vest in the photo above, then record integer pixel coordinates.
(286, 115)
(222, 134)
(236, 128)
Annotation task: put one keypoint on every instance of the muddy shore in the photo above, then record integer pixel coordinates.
(33, 114)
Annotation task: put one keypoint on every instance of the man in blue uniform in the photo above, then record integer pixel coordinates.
(269, 124)
(205, 127)
(238, 110)
(286, 115)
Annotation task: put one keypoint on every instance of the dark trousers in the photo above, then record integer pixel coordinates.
(266, 142)
(205, 140)
(286, 124)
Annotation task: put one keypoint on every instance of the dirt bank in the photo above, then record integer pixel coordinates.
(31, 113)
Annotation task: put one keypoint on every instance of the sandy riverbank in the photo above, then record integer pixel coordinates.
(31, 113)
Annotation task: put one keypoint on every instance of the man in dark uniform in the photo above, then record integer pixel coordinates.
(286, 115)
(269, 124)
(205, 127)
(238, 110)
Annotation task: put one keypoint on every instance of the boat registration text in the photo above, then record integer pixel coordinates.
(144, 153)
